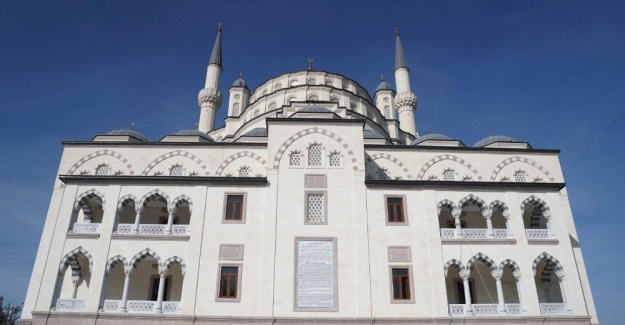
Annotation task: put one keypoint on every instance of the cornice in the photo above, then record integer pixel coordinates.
(168, 180)
(445, 148)
(416, 184)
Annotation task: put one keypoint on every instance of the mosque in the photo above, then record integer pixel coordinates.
(315, 203)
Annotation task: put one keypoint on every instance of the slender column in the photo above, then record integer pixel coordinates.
(170, 222)
(488, 213)
(75, 281)
(506, 214)
(128, 272)
(456, 214)
(162, 271)
(497, 274)
(468, 309)
(547, 216)
(520, 290)
(563, 289)
(135, 228)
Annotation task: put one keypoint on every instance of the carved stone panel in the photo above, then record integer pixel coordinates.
(231, 252)
(399, 254)
(315, 181)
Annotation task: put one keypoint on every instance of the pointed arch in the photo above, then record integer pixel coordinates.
(472, 200)
(175, 153)
(500, 206)
(528, 161)
(512, 264)
(71, 260)
(544, 255)
(153, 195)
(101, 153)
(289, 141)
(117, 259)
(125, 200)
(91, 194)
(453, 263)
(238, 155)
(393, 159)
(484, 259)
(446, 204)
(534, 201)
(440, 158)
(175, 203)
(142, 255)
(175, 259)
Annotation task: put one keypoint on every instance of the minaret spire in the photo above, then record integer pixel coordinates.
(400, 59)
(210, 97)
(405, 100)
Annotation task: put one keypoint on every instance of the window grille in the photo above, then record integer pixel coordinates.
(387, 112)
(353, 106)
(295, 159)
(520, 177)
(245, 172)
(312, 81)
(329, 83)
(383, 173)
(315, 155)
(256, 113)
(315, 207)
(273, 105)
(176, 171)
(237, 96)
(335, 159)
(449, 175)
(277, 87)
(264, 92)
(102, 170)
(235, 109)
(386, 100)
(313, 97)
(334, 99)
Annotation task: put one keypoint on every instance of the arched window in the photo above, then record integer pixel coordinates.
(295, 159)
(237, 96)
(334, 99)
(387, 112)
(291, 99)
(273, 106)
(176, 170)
(335, 159)
(313, 98)
(520, 176)
(264, 92)
(103, 170)
(235, 109)
(315, 155)
(383, 173)
(256, 113)
(277, 87)
(329, 82)
(449, 175)
(294, 83)
(312, 81)
(245, 171)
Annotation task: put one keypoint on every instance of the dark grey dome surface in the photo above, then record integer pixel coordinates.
(239, 83)
(257, 132)
(494, 138)
(129, 132)
(191, 132)
(430, 136)
(314, 109)
(370, 134)
(383, 86)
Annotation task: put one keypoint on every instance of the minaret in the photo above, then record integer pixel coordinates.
(405, 100)
(210, 97)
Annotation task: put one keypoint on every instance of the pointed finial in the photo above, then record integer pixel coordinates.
(240, 75)
(427, 129)
(396, 31)
(132, 125)
(219, 27)
(490, 134)
(310, 64)
(196, 126)
(382, 77)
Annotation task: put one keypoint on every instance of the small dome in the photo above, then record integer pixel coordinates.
(314, 109)
(492, 139)
(257, 132)
(383, 86)
(239, 83)
(193, 132)
(430, 136)
(131, 133)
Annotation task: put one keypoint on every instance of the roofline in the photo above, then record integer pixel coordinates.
(461, 184)
(172, 144)
(183, 180)
(446, 148)
(314, 119)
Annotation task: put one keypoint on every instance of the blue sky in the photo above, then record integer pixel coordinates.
(548, 72)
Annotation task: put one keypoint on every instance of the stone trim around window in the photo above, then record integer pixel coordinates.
(404, 207)
(243, 208)
(410, 279)
(239, 282)
(325, 207)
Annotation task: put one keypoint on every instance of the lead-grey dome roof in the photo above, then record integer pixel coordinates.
(129, 132)
(370, 134)
(192, 132)
(239, 83)
(383, 86)
(257, 132)
(492, 139)
(430, 136)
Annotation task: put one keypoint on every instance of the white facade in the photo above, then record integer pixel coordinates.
(340, 214)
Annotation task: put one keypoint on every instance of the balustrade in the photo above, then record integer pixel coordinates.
(474, 233)
(180, 229)
(537, 233)
(141, 306)
(149, 229)
(86, 228)
(448, 233)
(553, 309)
(124, 228)
(485, 309)
(500, 233)
(171, 307)
(112, 305)
(456, 310)
(152, 229)
(70, 304)
(513, 309)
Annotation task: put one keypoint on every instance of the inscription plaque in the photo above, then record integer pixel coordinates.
(315, 287)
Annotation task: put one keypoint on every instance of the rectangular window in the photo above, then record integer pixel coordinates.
(401, 284)
(315, 208)
(234, 208)
(395, 209)
(229, 282)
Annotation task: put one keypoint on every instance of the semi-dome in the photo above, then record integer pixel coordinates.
(192, 132)
(494, 138)
(430, 136)
(130, 133)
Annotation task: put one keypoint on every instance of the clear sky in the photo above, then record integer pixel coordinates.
(548, 72)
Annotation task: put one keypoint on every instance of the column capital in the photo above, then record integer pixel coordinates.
(560, 274)
(464, 274)
(128, 270)
(517, 275)
(456, 213)
(487, 213)
(497, 274)
(163, 270)
(75, 281)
